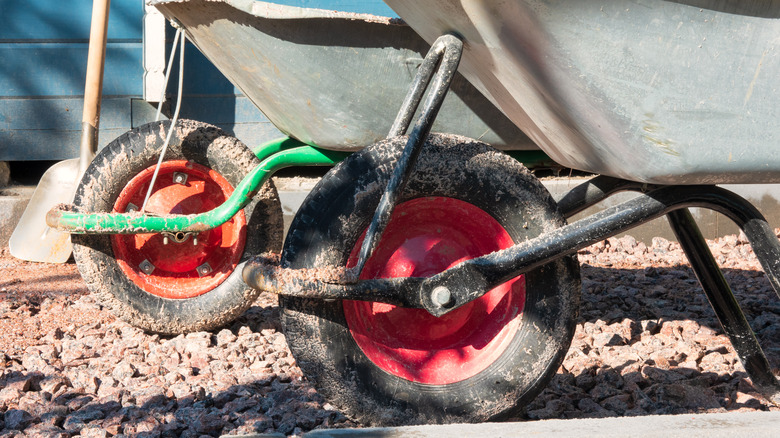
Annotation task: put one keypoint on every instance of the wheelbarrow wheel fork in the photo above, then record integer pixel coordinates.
(470, 279)
(275, 155)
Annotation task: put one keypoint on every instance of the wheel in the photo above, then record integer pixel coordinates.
(385, 365)
(174, 283)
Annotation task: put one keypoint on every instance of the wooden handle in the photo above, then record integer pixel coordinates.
(93, 89)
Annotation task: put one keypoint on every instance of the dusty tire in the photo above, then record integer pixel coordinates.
(175, 297)
(390, 366)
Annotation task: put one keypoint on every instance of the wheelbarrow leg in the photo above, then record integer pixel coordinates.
(724, 303)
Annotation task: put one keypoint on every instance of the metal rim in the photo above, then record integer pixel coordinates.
(177, 265)
(425, 237)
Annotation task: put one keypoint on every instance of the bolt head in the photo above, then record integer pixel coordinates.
(180, 178)
(441, 296)
(204, 269)
(146, 267)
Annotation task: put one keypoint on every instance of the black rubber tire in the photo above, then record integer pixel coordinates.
(329, 224)
(111, 170)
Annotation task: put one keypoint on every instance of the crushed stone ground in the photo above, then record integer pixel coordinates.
(647, 343)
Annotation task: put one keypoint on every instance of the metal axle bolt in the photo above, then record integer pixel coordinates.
(441, 296)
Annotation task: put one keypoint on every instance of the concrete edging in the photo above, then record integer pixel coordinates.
(731, 424)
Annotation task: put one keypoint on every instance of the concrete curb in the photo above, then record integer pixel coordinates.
(732, 424)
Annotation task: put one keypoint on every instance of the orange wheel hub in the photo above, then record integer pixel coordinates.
(179, 265)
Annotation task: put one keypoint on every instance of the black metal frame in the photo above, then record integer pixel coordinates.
(471, 279)
(447, 49)
(761, 237)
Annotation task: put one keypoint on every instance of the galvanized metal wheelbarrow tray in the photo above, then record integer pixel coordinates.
(643, 119)
(664, 92)
(328, 78)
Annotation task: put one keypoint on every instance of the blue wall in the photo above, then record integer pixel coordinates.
(43, 52)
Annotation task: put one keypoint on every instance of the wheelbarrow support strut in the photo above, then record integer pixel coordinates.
(448, 50)
(722, 300)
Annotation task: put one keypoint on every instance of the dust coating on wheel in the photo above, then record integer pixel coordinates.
(483, 364)
(176, 283)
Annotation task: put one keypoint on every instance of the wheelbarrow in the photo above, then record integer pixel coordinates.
(430, 277)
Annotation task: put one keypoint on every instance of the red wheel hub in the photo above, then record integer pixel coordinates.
(180, 266)
(425, 237)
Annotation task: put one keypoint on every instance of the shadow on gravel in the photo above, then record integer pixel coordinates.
(647, 343)
(69, 283)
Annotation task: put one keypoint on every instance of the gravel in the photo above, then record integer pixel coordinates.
(647, 343)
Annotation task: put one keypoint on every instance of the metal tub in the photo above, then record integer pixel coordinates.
(666, 92)
(331, 79)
